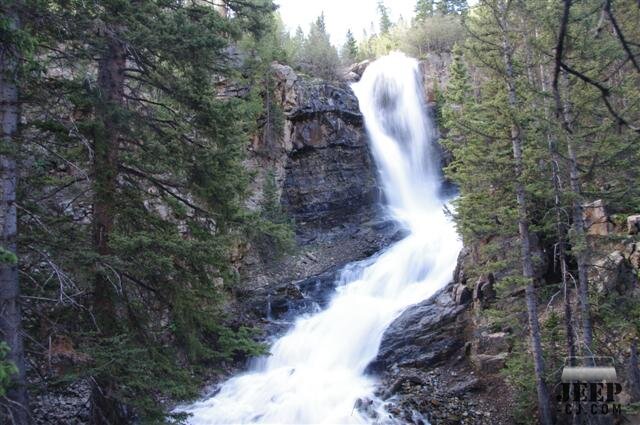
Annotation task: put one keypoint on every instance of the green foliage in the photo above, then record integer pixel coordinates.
(7, 369)
(318, 57)
(349, 51)
(424, 9)
(479, 122)
(448, 7)
(180, 185)
(8, 257)
(520, 375)
(424, 36)
(385, 21)
(273, 228)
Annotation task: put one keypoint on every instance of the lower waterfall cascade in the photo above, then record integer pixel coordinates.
(315, 373)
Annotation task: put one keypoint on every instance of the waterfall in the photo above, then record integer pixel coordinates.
(315, 373)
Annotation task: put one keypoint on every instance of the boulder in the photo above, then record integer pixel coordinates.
(423, 335)
(633, 224)
(489, 363)
(613, 273)
(358, 68)
(461, 294)
(596, 219)
(634, 256)
(483, 291)
(492, 343)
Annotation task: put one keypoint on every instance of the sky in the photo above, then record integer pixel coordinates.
(340, 15)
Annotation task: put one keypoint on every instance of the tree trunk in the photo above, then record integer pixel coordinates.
(634, 373)
(105, 408)
(580, 243)
(560, 232)
(523, 228)
(17, 408)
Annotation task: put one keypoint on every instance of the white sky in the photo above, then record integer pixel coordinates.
(340, 15)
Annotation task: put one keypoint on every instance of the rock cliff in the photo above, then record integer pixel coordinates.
(327, 184)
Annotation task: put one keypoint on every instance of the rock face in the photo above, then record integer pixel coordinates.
(615, 272)
(596, 219)
(322, 161)
(633, 224)
(424, 335)
(435, 364)
(325, 179)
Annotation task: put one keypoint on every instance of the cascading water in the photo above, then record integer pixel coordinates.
(315, 372)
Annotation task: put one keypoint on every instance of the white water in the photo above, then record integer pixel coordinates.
(315, 372)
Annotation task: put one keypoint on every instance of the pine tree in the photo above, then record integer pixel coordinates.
(448, 7)
(157, 145)
(16, 409)
(319, 58)
(424, 9)
(385, 21)
(349, 51)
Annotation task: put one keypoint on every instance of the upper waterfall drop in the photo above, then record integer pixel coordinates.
(316, 372)
(401, 135)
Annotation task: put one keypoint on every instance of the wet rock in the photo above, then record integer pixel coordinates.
(287, 300)
(423, 335)
(596, 219)
(357, 69)
(365, 406)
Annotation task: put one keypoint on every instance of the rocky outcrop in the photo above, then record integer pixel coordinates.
(325, 178)
(424, 334)
(633, 224)
(326, 182)
(617, 271)
(434, 363)
(321, 159)
(596, 219)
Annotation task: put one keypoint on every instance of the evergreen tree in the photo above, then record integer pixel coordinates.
(155, 148)
(385, 21)
(12, 368)
(509, 120)
(319, 58)
(349, 51)
(448, 7)
(295, 47)
(424, 9)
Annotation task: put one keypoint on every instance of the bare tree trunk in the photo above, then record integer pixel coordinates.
(105, 408)
(560, 231)
(17, 408)
(580, 243)
(634, 373)
(523, 228)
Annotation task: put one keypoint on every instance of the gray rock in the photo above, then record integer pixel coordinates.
(483, 290)
(613, 273)
(633, 224)
(489, 363)
(424, 334)
(494, 343)
(596, 218)
(461, 294)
